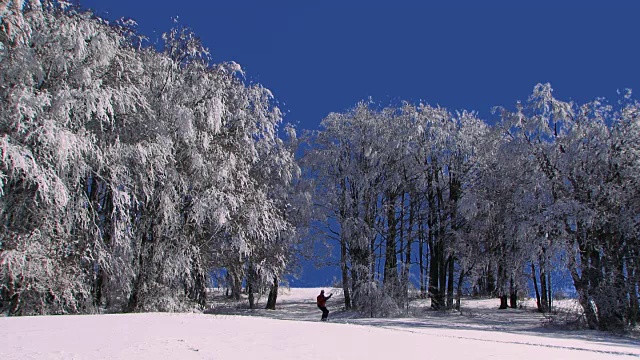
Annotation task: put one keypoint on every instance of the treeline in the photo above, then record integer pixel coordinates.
(128, 173)
(487, 207)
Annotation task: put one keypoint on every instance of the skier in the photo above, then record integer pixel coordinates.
(321, 300)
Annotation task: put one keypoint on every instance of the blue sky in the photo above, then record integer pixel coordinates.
(323, 56)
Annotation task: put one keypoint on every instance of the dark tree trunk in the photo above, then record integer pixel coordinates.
(14, 296)
(586, 303)
(405, 272)
(423, 269)
(584, 281)
(549, 293)
(228, 282)
(491, 281)
(450, 280)
(455, 191)
(273, 295)
(502, 283)
(390, 278)
(612, 300)
(132, 304)
(535, 286)
(544, 301)
(434, 246)
(486, 285)
(343, 248)
(358, 276)
(251, 286)
(345, 274)
(442, 271)
(236, 284)
(97, 286)
(407, 258)
(197, 290)
(442, 277)
(252, 299)
(459, 290)
(434, 292)
(101, 200)
(146, 246)
(92, 196)
(636, 309)
(633, 297)
(513, 295)
(503, 302)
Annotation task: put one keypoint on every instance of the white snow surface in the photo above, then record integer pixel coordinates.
(293, 331)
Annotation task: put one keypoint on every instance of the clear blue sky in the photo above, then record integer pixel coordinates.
(323, 56)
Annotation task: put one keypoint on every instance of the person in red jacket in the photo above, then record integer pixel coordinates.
(322, 300)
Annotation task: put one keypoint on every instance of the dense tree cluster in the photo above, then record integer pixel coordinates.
(391, 182)
(418, 189)
(128, 173)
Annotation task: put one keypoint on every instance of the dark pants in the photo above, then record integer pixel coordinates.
(325, 312)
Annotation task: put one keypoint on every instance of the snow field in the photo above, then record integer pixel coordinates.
(221, 336)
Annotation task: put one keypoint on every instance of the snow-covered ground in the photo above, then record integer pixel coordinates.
(293, 331)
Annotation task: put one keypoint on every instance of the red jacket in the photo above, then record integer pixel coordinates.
(322, 300)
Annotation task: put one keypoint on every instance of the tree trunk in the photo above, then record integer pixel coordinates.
(132, 303)
(549, 293)
(406, 265)
(423, 269)
(502, 286)
(503, 302)
(390, 278)
(14, 296)
(491, 281)
(459, 289)
(228, 281)
(633, 298)
(252, 299)
(535, 286)
(273, 295)
(434, 292)
(513, 295)
(101, 198)
(236, 284)
(442, 271)
(97, 286)
(486, 285)
(450, 280)
(251, 286)
(636, 308)
(345, 274)
(197, 291)
(581, 284)
(544, 302)
(454, 196)
(442, 276)
(141, 271)
(434, 246)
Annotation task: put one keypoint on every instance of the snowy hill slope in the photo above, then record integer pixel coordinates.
(269, 335)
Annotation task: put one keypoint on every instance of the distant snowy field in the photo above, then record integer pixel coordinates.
(293, 331)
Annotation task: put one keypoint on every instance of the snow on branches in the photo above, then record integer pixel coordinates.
(127, 174)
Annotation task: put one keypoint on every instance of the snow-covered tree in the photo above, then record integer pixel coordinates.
(583, 209)
(391, 179)
(128, 173)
